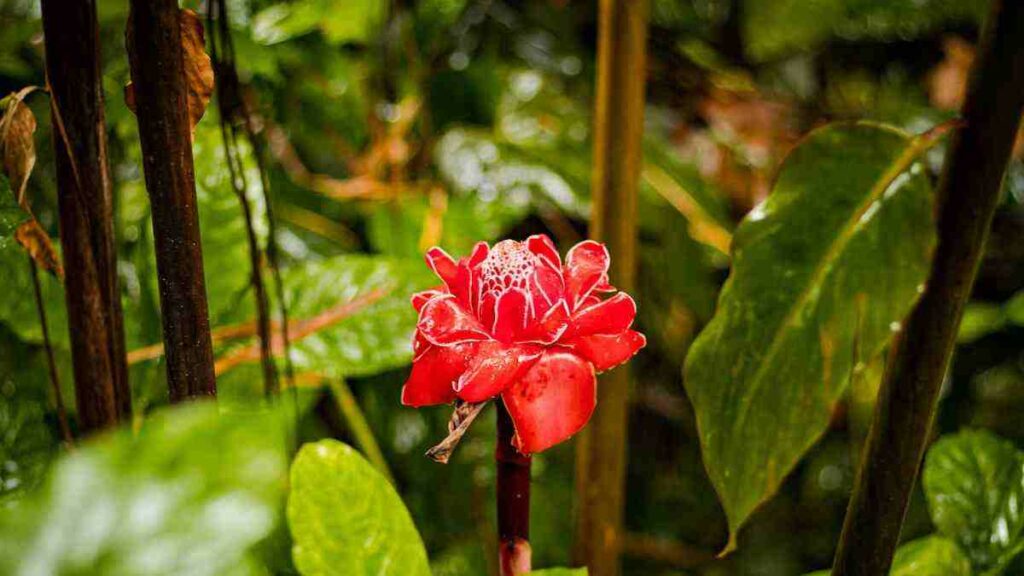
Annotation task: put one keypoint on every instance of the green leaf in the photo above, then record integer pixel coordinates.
(823, 273)
(27, 443)
(340, 21)
(929, 556)
(375, 337)
(192, 493)
(979, 320)
(346, 519)
(12, 215)
(775, 28)
(19, 310)
(974, 482)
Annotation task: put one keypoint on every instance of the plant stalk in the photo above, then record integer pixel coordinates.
(85, 205)
(157, 70)
(968, 193)
(51, 362)
(618, 155)
(514, 555)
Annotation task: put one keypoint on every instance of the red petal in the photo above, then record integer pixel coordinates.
(586, 266)
(463, 286)
(552, 401)
(511, 314)
(480, 251)
(610, 316)
(493, 369)
(550, 327)
(420, 299)
(542, 246)
(607, 351)
(434, 374)
(444, 322)
(546, 289)
(442, 264)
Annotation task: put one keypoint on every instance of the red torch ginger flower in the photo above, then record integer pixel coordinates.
(514, 320)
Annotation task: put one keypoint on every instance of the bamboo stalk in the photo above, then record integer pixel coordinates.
(968, 194)
(86, 214)
(618, 132)
(513, 490)
(230, 106)
(155, 55)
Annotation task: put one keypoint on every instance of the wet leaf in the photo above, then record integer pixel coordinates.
(823, 273)
(193, 492)
(199, 76)
(37, 243)
(347, 519)
(17, 147)
(974, 482)
(375, 337)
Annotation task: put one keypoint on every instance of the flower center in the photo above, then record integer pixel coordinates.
(509, 264)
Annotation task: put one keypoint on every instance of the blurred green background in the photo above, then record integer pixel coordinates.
(396, 125)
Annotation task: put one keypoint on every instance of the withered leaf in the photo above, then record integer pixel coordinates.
(198, 68)
(37, 243)
(17, 147)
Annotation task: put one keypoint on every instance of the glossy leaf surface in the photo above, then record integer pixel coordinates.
(346, 519)
(192, 493)
(823, 273)
(974, 482)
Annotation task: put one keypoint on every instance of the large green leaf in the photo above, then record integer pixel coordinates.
(930, 556)
(346, 519)
(192, 493)
(974, 482)
(823, 273)
(378, 334)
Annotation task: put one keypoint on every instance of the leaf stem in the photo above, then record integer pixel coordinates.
(513, 490)
(358, 426)
(51, 363)
(968, 194)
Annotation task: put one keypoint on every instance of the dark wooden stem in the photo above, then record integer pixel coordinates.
(155, 55)
(968, 193)
(51, 363)
(86, 214)
(513, 500)
(618, 131)
(230, 108)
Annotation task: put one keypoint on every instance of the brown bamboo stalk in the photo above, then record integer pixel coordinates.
(513, 491)
(618, 132)
(86, 214)
(968, 194)
(155, 55)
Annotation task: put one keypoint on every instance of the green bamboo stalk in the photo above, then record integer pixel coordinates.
(618, 132)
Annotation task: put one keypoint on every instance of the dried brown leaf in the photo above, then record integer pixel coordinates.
(198, 68)
(37, 243)
(17, 147)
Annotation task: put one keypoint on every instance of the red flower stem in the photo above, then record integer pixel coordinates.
(513, 500)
